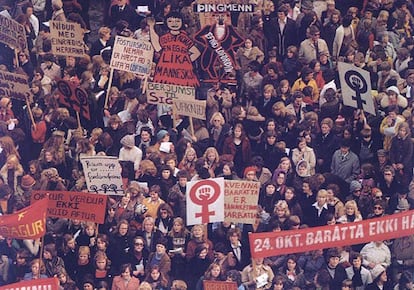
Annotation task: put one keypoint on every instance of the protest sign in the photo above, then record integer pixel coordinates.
(27, 223)
(12, 33)
(218, 61)
(339, 235)
(205, 201)
(73, 97)
(73, 205)
(190, 108)
(67, 39)
(356, 87)
(35, 284)
(103, 174)
(219, 285)
(240, 201)
(132, 55)
(164, 94)
(14, 86)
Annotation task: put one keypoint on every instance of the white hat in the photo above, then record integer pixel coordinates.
(377, 271)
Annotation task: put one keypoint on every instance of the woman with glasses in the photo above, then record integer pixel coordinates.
(138, 258)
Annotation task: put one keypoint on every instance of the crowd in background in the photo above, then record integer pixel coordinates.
(278, 118)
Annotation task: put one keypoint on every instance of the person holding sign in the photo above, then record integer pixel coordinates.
(176, 49)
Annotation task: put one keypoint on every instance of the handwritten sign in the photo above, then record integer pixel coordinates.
(205, 201)
(67, 39)
(240, 201)
(164, 94)
(14, 86)
(132, 55)
(12, 33)
(73, 205)
(73, 97)
(103, 174)
(46, 283)
(356, 87)
(309, 239)
(191, 108)
(219, 285)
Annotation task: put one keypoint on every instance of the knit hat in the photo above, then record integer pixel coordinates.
(128, 141)
(4, 102)
(355, 185)
(381, 152)
(377, 271)
(306, 4)
(393, 89)
(161, 134)
(403, 204)
(27, 181)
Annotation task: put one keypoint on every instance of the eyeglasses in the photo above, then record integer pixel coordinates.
(378, 207)
(387, 173)
(378, 196)
(138, 244)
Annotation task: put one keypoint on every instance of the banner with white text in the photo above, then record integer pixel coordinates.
(73, 205)
(45, 284)
(339, 235)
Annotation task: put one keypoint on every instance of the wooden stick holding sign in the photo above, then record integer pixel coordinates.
(30, 113)
(111, 76)
(78, 119)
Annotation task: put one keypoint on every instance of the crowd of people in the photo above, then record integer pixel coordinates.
(277, 117)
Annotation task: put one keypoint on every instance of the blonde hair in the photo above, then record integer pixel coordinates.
(322, 193)
(217, 115)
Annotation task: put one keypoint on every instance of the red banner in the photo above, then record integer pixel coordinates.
(297, 241)
(219, 285)
(74, 205)
(48, 283)
(28, 223)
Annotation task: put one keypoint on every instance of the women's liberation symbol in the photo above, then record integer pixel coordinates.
(204, 193)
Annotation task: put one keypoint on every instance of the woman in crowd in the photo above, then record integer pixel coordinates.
(238, 146)
(178, 238)
(125, 281)
(38, 270)
(213, 273)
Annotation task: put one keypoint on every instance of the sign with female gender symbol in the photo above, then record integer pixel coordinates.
(205, 201)
(356, 87)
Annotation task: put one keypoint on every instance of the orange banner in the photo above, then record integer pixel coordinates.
(48, 283)
(74, 205)
(28, 223)
(296, 241)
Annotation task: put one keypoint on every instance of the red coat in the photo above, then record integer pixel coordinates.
(230, 148)
(119, 284)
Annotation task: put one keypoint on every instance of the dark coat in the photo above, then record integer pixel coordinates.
(281, 39)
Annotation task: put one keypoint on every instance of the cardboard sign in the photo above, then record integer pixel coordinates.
(14, 86)
(12, 33)
(219, 285)
(46, 283)
(218, 39)
(73, 205)
(67, 38)
(132, 55)
(190, 108)
(309, 239)
(356, 87)
(73, 97)
(103, 174)
(205, 201)
(27, 223)
(240, 201)
(164, 94)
